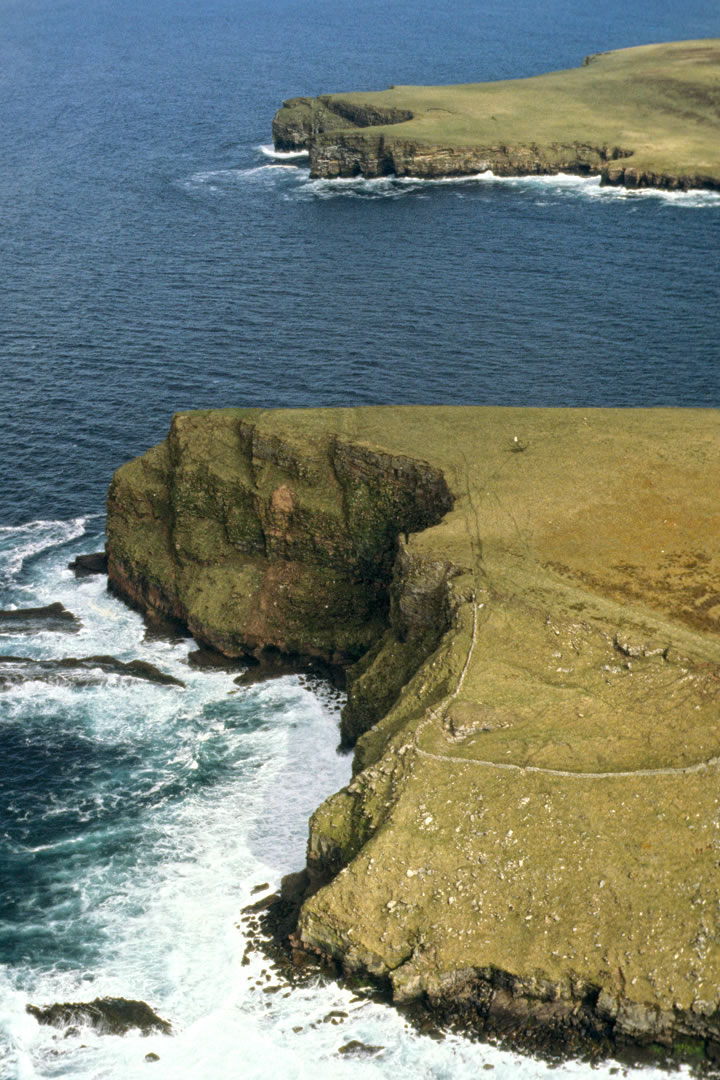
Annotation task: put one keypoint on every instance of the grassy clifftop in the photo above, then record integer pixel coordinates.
(531, 840)
(642, 116)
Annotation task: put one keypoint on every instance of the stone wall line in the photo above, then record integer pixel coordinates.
(670, 770)
(507, 766)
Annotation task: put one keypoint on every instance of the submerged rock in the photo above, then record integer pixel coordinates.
(109, 1016)
(31, 620)
(355, 1048)
(93, 563)
(17, 669)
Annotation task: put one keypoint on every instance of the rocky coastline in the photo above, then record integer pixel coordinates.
(591, 125)
(525, 605)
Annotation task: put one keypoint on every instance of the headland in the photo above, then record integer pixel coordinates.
(526, 603)
(642, 117)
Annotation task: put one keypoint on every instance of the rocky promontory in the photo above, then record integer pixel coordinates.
(526, 603)
(641, 117)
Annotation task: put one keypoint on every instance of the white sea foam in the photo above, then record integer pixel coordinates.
(18, 543)
(281, 155)
(560, 184)
(212, 796)
(221, 180)
(289, 164)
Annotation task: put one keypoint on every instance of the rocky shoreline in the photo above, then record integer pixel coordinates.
(349, 155)
(529, 844)
(434, 133)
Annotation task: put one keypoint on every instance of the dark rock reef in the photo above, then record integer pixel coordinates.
(80, 669)
(108, 1016)
(53, 617)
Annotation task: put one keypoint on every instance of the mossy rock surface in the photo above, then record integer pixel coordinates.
(533, 825)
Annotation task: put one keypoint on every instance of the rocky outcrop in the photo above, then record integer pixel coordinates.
(267, 545)
(50, 617)
(108, 1016)
(333, 131)
(529, 843)
(327, 127)
(302, 119)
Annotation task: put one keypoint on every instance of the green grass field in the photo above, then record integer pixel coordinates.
(656, 105)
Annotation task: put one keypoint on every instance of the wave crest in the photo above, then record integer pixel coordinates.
(18, 543)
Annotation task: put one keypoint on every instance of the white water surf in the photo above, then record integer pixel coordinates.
(199, 795)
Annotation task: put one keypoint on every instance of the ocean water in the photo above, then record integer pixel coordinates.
(157, 255)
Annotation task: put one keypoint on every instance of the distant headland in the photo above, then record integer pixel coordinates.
(642, 117)
(526, 603)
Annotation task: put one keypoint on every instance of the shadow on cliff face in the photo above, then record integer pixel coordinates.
(300, 120)
(285, 549)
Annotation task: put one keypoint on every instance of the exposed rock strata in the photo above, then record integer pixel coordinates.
(530, 842)
(656, 105)
(336, 153)
(51, 617)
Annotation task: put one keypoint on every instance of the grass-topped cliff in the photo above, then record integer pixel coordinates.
(641, 117)
(528, 602)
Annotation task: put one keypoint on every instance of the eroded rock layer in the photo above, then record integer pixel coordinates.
(530, 604)
(265, 540)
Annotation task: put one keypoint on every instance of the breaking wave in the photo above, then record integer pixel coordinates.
(289, 168)
(19, 544)
(282, 155)
(140, 818)
(560, 185)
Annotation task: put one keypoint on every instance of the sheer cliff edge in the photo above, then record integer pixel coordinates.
(641, 117)
(527, 606)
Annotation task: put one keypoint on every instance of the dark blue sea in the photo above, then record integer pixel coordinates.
(156, 256)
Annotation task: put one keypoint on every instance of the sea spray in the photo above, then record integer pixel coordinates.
(140, 819)
(290, 173)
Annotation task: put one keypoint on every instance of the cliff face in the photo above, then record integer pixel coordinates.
(656, 105)
(347, 156)
(262, 542)
(302, 119)
(531, 839)
(328, 130)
